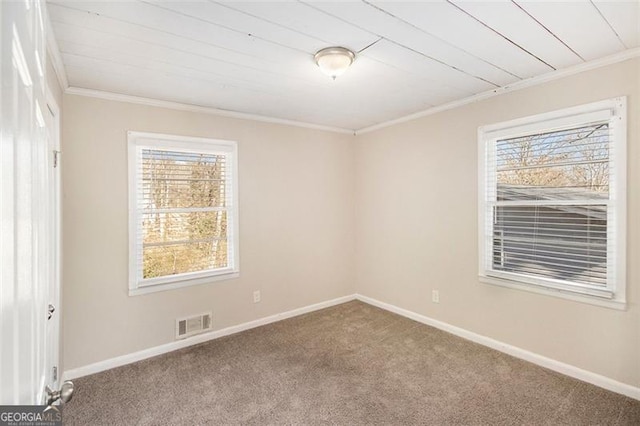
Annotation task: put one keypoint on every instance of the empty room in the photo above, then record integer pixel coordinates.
(320, 212)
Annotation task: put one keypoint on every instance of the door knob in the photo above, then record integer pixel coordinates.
(64, 394)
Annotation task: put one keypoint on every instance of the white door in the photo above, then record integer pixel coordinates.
(26, 213)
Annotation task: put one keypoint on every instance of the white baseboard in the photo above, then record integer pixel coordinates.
(551, 364)
(560, 367)
(179, 344)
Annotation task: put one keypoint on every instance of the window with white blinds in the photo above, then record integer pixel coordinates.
(183, 211)
(552, 201)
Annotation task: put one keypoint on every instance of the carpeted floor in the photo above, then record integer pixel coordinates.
(350, 364)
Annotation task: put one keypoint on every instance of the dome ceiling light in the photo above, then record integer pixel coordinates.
(334, 61)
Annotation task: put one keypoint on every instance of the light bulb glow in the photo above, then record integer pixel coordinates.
(334, 61)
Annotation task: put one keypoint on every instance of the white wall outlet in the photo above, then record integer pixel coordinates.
(435, 296)
(256, 296)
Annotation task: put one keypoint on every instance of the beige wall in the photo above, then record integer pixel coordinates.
(296, 226)
(416, 229)
(390, 214)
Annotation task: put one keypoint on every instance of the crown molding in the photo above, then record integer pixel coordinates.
(112, 96)
(522, 84)
(56, 57)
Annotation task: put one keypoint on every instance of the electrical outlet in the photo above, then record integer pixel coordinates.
(435, 296)
(256, 296)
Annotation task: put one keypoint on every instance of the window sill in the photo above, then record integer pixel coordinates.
(563, 294)
(182, 282)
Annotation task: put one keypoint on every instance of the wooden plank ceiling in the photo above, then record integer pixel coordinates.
(257, 57)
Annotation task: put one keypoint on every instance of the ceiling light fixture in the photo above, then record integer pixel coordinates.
(334, 61)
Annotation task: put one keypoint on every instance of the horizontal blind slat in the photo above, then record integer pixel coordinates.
(545, 273)
(579, 263)
(597, 272)
(548, 199)
(183, 199)
(546, 242)
(583, 253)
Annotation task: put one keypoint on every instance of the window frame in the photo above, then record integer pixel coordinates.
(614, 111)
(137, 141)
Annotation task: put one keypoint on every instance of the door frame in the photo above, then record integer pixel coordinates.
(54, 184)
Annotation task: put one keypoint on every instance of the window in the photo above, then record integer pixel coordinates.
(183, 224)
(552, 203)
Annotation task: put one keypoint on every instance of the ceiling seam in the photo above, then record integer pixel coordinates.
(157, 30)
(269, 21)
(548, 30)
(169, 74)
(604, 18)
(381, 37)
(82, 55)
(501, 35)
(308, 82)
(413, 50)
(206, 21)
(523, 84)
(445, 42)
(302, 81)
(441, 62)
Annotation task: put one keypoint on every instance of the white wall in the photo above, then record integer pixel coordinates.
(416, 229)
(296, 226)
(52, 82)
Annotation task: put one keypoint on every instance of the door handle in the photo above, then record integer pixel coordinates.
(64, 394)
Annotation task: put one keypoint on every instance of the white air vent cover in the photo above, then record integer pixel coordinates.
(186, 327)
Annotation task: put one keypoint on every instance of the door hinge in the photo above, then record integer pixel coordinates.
(56, 155)
(54, 375)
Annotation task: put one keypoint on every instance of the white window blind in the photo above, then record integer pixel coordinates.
(552, 191)
(183, 210)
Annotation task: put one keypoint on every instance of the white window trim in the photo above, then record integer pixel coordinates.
(138, 140)
(615, 110)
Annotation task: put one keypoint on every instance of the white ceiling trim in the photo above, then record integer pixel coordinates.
(355, 126)
(197, 108)
(56, 57)
(523, 84)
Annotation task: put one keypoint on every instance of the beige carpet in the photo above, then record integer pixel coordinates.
(350, 364)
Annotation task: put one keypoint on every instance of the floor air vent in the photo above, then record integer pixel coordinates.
(186, 327)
